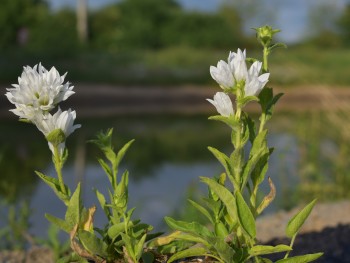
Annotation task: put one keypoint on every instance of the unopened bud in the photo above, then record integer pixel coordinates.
(264, 34)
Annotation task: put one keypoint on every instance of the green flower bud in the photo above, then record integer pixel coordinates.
(56, 137)
(264, 34)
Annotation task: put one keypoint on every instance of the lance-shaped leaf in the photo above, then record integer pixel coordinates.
(201, 209)
(120, 156)
(102, 200)
(223, 159)
(191, 252)
(194, 228)
(264, 250)
(230, 121)
(298, 220)
(62, 224)
(74, 209)
(93, 244)
(225, 195)
(107, 170)
(301, 259)
(245, 216)
(225, 252)
(55, 185)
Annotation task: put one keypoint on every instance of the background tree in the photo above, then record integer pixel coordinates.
(18, 18)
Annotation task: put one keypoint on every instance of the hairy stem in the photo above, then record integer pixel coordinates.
(58, 167)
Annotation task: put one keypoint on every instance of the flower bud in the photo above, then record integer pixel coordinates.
(264, 34)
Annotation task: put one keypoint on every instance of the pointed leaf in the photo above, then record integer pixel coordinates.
(102, 200)
(225, 195)
(55, 185)
(298, 220)
(264, 250)
(106, 169)
(72, 216)
(193, 227)
(230, 121)
(120, 156)
(201, 209)
(58, 222)
(191, 252)
(301, 259)
(93, 244)
(223, 159)
(245, 216)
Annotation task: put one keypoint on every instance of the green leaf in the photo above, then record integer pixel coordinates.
(72, 216)
(230, 121)
(225, 195)
(301, 259)
(258, 173)
(120, 156)
(191, 252)
(225, 252)
(106, 169)
(93, 244)
(58, 222)
(139, 247)
(115, 230)
(247, 99)
(201, 209)
(55, 185)
(121, 192)
(298, 220)
(245, 216)
(264, 250)
(193, 227)
(102, 200)
(223, 159)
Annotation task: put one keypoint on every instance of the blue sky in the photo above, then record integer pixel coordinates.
(291, 16)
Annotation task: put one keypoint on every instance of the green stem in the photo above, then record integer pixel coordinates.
(58, 166)
(291, 245)
(262, 122)
(265, 59)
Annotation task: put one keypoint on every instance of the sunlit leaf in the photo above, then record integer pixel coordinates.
(301, 259)
(245, 216)
(298, 220)
(93, 244)
(225, 195)
(193, 227)
(264, 250)
(72, 216)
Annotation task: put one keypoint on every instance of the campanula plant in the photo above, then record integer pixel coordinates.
(36, 95)
(232, 204)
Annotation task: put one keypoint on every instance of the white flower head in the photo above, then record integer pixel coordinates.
(63, 121)
(255, 83)
(222, 75)
(238, 66)
(223, 104)
(38, 90)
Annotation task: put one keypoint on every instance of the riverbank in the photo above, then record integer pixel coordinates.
(106, 100)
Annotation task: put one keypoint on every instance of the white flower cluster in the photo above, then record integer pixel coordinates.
(227, 75)
(37, 93)
(235, 72)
